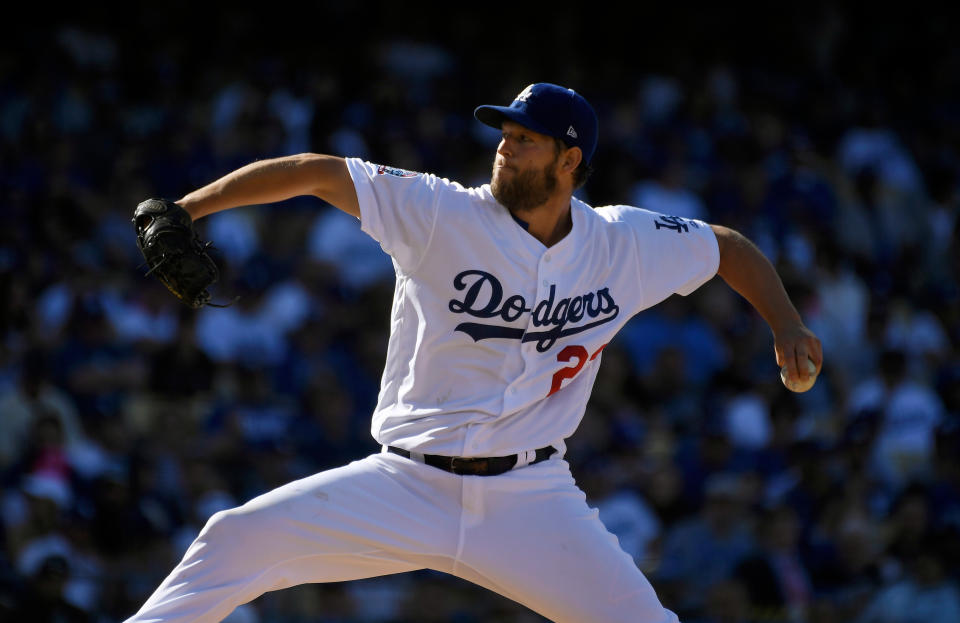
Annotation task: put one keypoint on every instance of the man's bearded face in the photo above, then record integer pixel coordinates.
(522, 191)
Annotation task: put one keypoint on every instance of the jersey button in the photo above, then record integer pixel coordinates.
(546, 258)
(545, 283)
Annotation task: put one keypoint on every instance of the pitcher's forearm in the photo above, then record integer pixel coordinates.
(745, 269)
(276, 179)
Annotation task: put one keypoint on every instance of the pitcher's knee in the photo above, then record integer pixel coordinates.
(227, 525)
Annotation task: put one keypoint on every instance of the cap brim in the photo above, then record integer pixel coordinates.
(493, 116)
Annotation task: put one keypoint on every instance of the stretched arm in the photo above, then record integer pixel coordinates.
(750, 273)
(277, 179)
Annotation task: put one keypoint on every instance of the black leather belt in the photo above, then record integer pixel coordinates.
(473, 466)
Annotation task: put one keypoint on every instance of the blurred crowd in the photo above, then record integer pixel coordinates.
(127, 419)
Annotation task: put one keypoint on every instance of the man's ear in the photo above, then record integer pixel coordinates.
(571, 159)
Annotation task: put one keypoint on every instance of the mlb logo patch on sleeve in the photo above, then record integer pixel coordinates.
(385, 170)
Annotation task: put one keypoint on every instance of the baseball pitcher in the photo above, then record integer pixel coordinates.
(505, 297)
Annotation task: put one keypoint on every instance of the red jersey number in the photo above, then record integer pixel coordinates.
(574, 351)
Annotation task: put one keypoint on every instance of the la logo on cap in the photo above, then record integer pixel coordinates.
(524, 94)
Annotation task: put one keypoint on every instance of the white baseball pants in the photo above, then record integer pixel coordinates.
(527, 534)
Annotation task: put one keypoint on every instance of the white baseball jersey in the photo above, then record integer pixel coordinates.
(495, 339)
(495, 342)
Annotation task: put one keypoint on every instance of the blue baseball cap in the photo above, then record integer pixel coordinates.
(552, 110)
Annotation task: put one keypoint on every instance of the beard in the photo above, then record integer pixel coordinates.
(526, 190)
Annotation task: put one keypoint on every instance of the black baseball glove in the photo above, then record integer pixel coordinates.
(174, 252)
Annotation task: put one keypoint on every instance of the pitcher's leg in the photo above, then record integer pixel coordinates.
(356, 521)
(536, 541)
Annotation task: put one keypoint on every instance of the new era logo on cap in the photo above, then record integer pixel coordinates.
(552, 110)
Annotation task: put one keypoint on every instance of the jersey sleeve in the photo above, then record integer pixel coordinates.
(398, 209)
(675, 255)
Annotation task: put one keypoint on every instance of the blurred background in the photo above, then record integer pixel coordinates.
(830, 136)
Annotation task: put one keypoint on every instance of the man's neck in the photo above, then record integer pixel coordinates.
(548, 223)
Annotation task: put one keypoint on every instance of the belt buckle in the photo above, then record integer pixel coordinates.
(468, 466)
